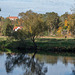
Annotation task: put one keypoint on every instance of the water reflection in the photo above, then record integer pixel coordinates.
(30, 65)
(1, 54)
(55, 59)
(73, 70)
(26, 64)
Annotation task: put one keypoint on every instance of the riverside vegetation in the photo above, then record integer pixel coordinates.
(33, 25)
(44, 45)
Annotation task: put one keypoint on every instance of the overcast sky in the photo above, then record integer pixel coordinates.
(14, 7)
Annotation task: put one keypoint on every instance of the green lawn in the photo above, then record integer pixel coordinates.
(43, 45)
(55, 42)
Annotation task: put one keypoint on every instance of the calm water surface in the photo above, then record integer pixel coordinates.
(27, 64)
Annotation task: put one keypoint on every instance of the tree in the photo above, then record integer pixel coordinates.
(0, 17)
(19, 35)
(71, 23)
(52, 21)
(64, 16)
(33, 25)
(9, 30)
(63, 25)
(6, 27)
(68, 23)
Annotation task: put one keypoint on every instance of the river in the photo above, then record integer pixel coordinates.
(40, 64)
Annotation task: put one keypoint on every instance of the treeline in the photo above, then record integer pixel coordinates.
(49, 24)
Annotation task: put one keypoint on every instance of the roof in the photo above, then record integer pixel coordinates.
(14, 17)
(17, 27)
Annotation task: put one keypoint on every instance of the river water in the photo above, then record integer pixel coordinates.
(27, 64)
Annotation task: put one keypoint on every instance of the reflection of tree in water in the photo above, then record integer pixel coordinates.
(1, 54)
(30, 65)
(73, 70)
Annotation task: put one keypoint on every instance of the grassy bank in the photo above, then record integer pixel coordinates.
(44, 45)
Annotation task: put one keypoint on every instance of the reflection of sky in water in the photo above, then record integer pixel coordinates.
(16, 71)
(58, 68)
(2, 65)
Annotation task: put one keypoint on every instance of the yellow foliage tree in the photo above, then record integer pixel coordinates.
(59, 30)
(66, 23)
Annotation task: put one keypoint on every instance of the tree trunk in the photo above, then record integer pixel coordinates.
(35, 46)
(48, 31)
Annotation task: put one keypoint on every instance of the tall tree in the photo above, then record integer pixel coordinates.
(9, 30)
(64, 16)
(5, 27)
(33, 24)
(52, 21)
(71, 23)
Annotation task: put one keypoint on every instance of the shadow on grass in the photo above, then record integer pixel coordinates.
(44, 45)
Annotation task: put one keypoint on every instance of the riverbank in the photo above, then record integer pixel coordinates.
(44, 45)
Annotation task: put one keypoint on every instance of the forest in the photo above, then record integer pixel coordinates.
(49, 24)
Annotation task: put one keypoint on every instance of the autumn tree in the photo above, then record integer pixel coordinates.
(0, 17)
(71, 23)
(72, 20)
(64, 16)
(63, 25)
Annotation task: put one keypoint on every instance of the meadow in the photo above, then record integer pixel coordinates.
(44, 45)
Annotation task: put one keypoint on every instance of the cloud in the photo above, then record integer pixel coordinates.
(14, 7)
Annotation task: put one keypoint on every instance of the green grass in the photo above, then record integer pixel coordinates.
(3, 38)
(55, 42)
(45, 45)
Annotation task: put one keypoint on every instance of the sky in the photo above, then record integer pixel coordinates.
(14, 7)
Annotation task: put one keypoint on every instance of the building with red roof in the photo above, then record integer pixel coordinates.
(13, 18)
(17, 28)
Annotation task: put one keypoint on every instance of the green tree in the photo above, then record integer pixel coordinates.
(0, 17)
(5, 29)
(9, 30)
(72, 21)
(33, 24)
(19, 35)
(72, 25)
(64, 16)
(52, 21)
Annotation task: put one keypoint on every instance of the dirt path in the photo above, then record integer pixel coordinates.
(54, 37)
